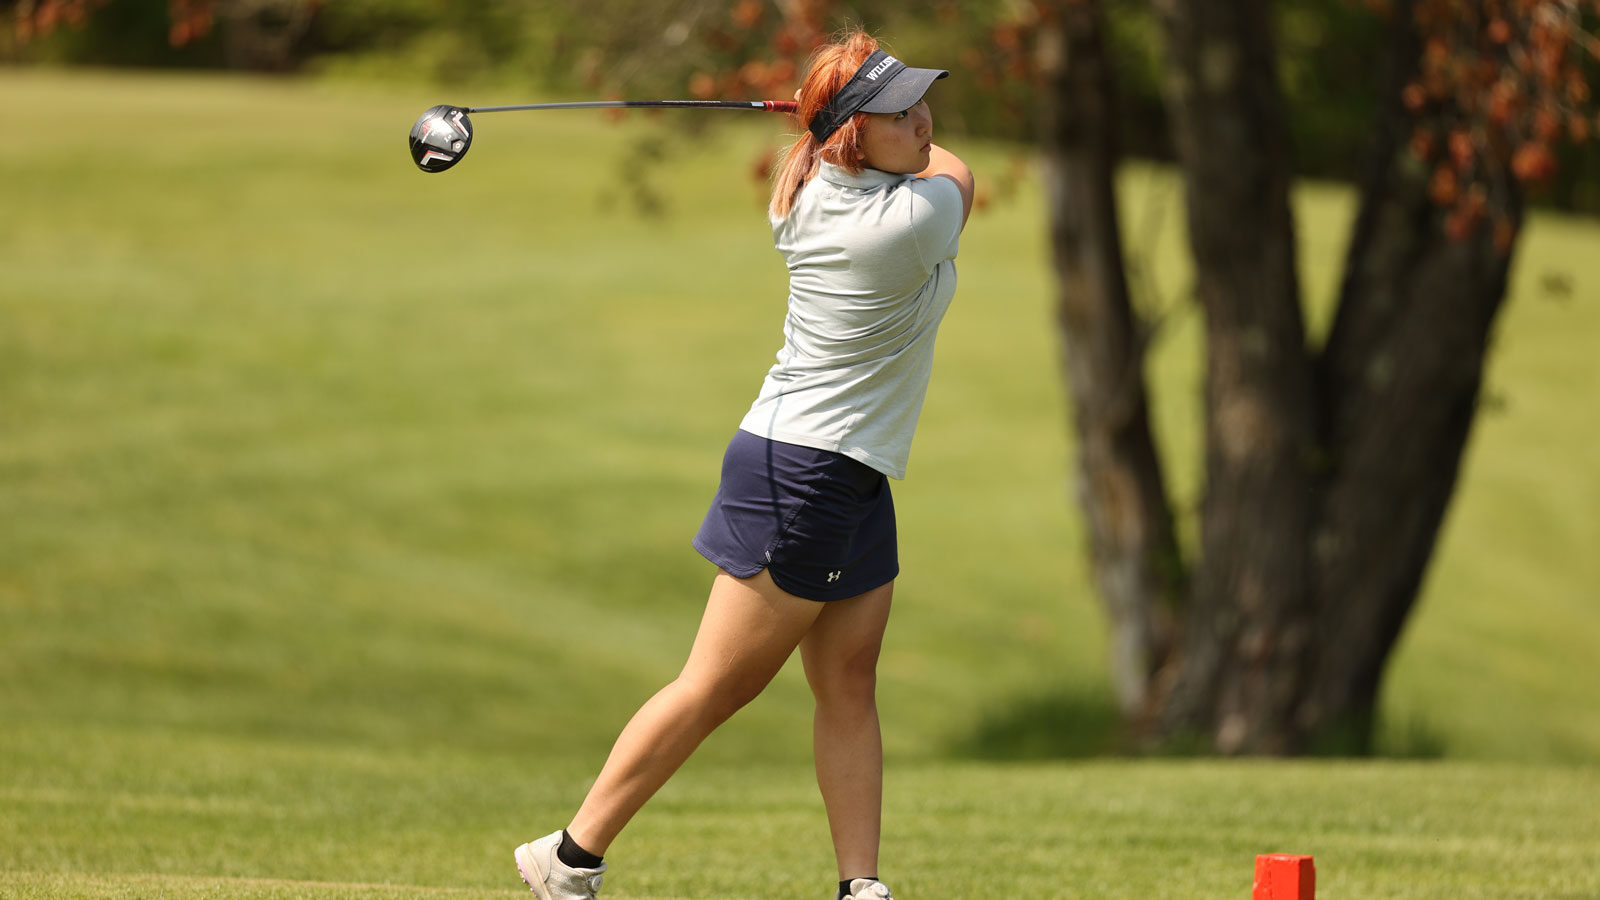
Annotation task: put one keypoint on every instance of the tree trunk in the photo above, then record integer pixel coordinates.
(1248, 629)
(1133, 550)
(264, 35)
(1327, 474)
(1399, 381)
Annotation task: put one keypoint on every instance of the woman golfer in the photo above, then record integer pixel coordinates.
(867, 211)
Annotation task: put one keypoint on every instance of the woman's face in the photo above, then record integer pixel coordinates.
(900, 142)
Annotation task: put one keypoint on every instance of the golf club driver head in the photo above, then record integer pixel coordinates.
(440, 138)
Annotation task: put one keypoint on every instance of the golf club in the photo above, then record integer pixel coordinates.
(443, 133)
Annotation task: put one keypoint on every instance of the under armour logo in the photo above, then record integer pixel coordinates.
(834, 576)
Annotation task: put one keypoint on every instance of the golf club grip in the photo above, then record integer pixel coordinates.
(787, 106)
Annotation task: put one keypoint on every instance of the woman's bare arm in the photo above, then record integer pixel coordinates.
(943, 162)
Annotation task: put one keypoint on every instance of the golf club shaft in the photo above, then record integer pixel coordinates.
(772, 105)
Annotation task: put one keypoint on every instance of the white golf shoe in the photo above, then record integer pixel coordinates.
(869, 889)
(552, 879)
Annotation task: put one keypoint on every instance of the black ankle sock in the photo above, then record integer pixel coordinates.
(570, 853)
(844, 886)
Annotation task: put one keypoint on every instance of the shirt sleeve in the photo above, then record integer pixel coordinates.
(935, 219)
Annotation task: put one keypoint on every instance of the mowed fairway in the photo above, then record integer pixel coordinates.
(344, 518)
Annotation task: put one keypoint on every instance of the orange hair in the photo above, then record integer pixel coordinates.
(829, 70)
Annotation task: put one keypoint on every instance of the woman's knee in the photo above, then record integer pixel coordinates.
(718, 698)
(848, 678)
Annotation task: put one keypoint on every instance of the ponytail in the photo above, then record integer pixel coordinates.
(831, 67)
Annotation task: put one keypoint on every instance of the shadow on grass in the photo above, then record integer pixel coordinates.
(1081, 723)
(1416, 738)
(1066, 724)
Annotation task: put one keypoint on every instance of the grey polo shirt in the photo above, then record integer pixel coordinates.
(871, 274)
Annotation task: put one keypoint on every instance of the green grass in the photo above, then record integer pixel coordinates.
(344, 516)
(188, 816)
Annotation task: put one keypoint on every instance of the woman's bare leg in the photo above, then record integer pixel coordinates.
(841, 660)
(751, 626)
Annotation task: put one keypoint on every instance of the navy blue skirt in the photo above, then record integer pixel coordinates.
(821, 523)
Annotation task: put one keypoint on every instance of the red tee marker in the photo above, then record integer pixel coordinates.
(1283, 877)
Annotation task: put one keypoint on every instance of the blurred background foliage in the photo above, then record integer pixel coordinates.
(582, 48)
